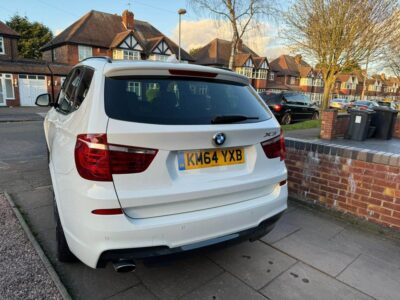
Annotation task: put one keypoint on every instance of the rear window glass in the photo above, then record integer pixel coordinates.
(271, 99)
(179, 101)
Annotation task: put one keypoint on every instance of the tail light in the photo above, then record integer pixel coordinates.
(97, 160)
(275, 147)
(277, 107)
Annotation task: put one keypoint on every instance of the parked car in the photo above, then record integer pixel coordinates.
(342, 104)
(152, 158)
(364, 104)
(289, 106)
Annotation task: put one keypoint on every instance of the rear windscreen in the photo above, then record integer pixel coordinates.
(271, 99)
(179, 101)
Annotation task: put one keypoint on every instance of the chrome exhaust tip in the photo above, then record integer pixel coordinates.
(124, 266)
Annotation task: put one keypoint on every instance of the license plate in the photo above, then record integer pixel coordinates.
(197, 159)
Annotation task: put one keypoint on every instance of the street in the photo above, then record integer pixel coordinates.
(309, 255)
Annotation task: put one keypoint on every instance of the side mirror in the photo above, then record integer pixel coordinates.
(43, 100)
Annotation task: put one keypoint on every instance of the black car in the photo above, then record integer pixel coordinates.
(290, 106)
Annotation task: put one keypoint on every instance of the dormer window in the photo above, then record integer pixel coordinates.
(246, 69)
(2, 50)
(126, 54)
(159, 57)
(128, 49)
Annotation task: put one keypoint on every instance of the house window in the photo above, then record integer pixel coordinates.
(271, 76)
(246, 71)
(292, 80)
(134, 87)
(158, 57)
(2, 50)
(260, 74)
(7, 80)
(84, 52)
(126, 54)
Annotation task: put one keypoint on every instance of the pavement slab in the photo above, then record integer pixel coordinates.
(254, 263)
(303, 282)
(176, 278)
(373, 276)
(225, 286)
(138, 292)
(317, 250)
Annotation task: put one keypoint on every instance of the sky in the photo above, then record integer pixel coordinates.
(196, 30)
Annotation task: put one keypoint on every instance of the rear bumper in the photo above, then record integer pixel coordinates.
(251, 234)
(101, 238)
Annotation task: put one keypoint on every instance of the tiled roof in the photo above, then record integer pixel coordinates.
(30, 66)
(99, 29)
(287, 65)
(218, 51)
(5, 30)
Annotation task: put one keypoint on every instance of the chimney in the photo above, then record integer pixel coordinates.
(297, 59)
(239, 45)
(127, 19)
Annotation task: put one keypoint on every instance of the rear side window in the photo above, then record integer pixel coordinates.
(179, 101)
(272, 99)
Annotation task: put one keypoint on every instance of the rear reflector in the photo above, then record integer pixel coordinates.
(97, 160)
(192, 73)
(275, 147)
(107, 211)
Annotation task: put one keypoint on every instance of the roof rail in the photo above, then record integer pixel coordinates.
(109, 60)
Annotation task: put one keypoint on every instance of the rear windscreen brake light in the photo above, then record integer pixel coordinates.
(97, 160)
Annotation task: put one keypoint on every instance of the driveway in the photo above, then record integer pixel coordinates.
(309, 255)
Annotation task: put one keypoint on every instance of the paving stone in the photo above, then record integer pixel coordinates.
(317, 250)
(34, 199)
(375, 245)
(39, 219)
(138, 292)
(281, 230)
(254, 263)
(374, 277)
(225, 286)
(304, 282)
(312, 221)
(178, 277)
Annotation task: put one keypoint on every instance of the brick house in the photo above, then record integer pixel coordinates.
(103, 34)
(391, 88)
(21, 80)
(246, 62)
(292, 73)
(348, 86)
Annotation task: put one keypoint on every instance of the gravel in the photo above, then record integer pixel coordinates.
(22, 273)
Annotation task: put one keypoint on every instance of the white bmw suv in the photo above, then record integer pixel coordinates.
(150, 159)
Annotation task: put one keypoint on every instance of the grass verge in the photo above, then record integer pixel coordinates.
(302, 125)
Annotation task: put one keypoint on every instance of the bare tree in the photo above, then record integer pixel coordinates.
(392, 53)
(241, 15)
(338, 33)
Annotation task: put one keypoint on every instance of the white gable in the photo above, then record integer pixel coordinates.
(249, 63)
(264, 65)
(130, 43)
(162, 48)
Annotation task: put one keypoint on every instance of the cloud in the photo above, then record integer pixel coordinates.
(263, 39)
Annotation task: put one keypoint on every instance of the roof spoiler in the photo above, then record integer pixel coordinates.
(109, 60)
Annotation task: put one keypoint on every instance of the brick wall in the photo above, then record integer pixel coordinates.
(328, 124)
(355, 181)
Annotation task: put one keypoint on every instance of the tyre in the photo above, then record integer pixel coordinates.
(286, 119)
(63, 252)
(315, 116)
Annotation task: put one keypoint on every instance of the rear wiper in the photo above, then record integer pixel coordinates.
(231, 119)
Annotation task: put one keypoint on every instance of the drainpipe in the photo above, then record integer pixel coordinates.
(52, 83)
